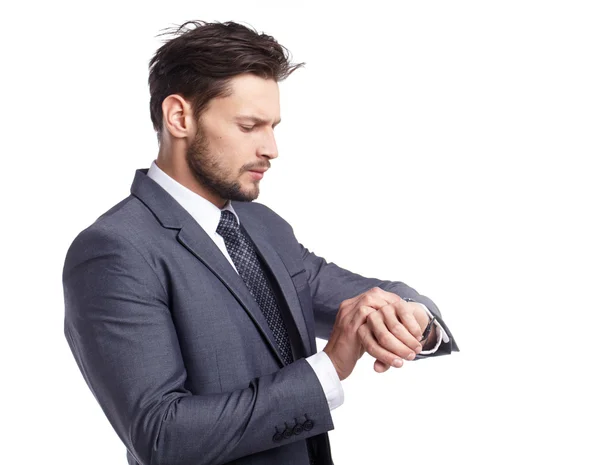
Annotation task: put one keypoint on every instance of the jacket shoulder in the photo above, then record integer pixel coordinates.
(122, 223)
(262, 212)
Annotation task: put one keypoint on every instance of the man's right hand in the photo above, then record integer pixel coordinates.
(352, 336)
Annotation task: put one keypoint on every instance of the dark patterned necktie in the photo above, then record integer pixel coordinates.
(241, 251)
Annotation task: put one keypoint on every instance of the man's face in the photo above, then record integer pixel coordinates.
(235, 142)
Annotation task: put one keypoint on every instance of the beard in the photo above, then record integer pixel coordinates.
(210, 173)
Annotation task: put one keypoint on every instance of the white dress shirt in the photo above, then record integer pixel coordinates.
(208, 216)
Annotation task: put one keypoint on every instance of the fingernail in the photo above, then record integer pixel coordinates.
(411, 356)
(419, 349)
(397, 363)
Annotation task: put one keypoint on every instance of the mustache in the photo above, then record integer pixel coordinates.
(254, 166)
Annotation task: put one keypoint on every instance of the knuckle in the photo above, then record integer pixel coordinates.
(397, 329)
(388, 310)
(403, 313)
(368, 300)
(364, 311)
(377, 291)
(378, 334)
(388, 339)
(370, 347)
(371, 316)
(414, 326)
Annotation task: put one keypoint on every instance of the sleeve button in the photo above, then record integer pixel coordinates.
(298, 429)
(287, 433)
(308, 425)
(277, 437)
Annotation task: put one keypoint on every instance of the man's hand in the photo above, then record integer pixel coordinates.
(422, 318)
(380, 323)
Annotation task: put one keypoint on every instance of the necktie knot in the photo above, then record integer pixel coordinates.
(228, 225)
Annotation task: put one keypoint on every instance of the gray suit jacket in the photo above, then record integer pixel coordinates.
(176, 350)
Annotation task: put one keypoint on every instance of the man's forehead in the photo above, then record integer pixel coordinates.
(255, 96)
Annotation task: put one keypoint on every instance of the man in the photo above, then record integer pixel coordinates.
(192, 311)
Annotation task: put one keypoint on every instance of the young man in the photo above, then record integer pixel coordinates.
(192, 311)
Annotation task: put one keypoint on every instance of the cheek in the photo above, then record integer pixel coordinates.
(220, 147)
(239, 148)
(229, 154)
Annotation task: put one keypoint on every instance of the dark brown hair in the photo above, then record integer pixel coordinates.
(201, 58)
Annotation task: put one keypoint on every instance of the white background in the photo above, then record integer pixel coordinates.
(452, 145)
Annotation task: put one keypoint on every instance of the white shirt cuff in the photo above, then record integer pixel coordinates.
(441, 334)
(328, 377)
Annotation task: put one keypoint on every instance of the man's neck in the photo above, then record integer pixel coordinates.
(181, 173)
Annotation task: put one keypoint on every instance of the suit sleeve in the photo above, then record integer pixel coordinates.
(120, 330)
(330, 285)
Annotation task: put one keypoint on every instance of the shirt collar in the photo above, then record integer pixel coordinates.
(203, 211)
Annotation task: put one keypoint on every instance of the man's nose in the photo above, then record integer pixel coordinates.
(269, 146)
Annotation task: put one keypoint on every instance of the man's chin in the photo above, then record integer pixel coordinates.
(247, 195)
(252, 196)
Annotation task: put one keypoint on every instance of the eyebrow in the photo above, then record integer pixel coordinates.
(257, 120)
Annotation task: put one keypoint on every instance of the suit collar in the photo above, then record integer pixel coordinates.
(166, 209)
(206, 214)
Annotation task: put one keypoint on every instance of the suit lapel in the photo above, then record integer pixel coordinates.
(173, 216)
(257, 233)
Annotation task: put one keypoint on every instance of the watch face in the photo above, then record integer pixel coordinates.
(427, 329)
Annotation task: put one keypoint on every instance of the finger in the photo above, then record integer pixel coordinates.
(405, 313)
(410, 323)
(380, 367)
(421, 316)
(372, 300)
(365, 298)
(359, 317)
(361, 306)
(375, 350)
(375, 321)
(397, 328)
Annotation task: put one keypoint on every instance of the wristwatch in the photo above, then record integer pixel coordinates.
(428, 329)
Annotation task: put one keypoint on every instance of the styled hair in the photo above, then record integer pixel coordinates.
(201, 58)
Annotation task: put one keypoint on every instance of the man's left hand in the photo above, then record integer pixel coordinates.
(397, 318)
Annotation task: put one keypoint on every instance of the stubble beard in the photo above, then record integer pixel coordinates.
(205, 167)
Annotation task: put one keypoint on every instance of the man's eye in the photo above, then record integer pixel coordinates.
(246, 128)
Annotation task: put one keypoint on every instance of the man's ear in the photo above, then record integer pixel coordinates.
(178, 117)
